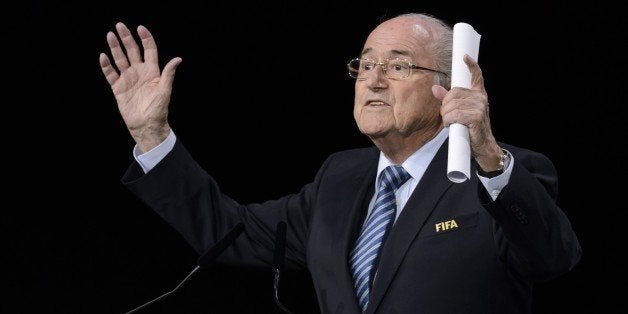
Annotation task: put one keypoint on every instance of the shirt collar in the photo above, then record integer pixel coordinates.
(417, 163)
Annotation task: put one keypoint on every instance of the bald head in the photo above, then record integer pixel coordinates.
(422, 33)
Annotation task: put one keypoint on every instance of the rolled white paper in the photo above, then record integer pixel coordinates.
(466, 41)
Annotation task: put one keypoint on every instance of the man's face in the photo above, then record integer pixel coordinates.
(388, 107)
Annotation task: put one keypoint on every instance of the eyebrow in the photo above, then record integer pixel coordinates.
(392, 52)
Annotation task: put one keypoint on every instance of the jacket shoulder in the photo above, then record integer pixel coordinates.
(347, 161)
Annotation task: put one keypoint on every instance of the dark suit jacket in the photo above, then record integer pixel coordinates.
(487, 264)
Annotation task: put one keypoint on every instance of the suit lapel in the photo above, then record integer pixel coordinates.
(349, 221)
(423, 200)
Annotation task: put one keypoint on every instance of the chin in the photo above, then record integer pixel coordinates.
(373, 134)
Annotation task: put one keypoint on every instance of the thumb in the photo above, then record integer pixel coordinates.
(167, 76)
(439, 92)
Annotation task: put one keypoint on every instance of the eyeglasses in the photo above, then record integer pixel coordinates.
(395, 69)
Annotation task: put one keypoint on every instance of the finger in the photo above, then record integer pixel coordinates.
(148, 42)
(477, 81)
(453, 116)
(450, 106)
(131, 47)
(110, 73)
(453, 95)
(439, 92)
(464, 117)
(116, 51)
(167, 76)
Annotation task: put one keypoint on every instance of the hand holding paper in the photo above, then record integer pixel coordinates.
(466, 41)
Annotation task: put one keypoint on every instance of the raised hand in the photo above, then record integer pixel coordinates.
(470, 107)
(141, 91)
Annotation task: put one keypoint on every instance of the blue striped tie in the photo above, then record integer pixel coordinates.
(367, 247)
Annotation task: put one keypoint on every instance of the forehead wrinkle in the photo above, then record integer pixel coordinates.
(404, 37)
(392, 52)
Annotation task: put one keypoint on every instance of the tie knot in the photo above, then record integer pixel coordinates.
(393, 177)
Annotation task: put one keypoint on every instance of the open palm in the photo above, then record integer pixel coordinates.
(141, 91)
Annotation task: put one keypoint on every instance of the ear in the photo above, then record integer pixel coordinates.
(439, 92)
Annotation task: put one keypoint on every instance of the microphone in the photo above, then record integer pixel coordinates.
(278, 261)
(211, 254)
(203, 262)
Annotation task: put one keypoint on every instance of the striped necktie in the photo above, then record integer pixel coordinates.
(365, 253)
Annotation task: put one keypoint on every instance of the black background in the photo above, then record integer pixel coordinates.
(261, 98)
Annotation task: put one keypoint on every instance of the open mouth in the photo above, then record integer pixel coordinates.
(376, 103)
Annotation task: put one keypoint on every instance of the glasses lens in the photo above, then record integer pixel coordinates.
(397, 69)
(354, 68)
(359, 67)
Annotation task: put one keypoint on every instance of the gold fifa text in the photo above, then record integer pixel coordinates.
(446, 225)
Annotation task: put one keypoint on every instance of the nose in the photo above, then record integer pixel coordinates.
(376, 79)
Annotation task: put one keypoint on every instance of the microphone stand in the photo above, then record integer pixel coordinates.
(278, 262)
(203, 262)
(165, 294)
(276, 294)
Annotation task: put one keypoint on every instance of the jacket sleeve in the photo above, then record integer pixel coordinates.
(533, 235)
(189, 199)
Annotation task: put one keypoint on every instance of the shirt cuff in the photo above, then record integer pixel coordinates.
(151, 158)
(495, 185)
